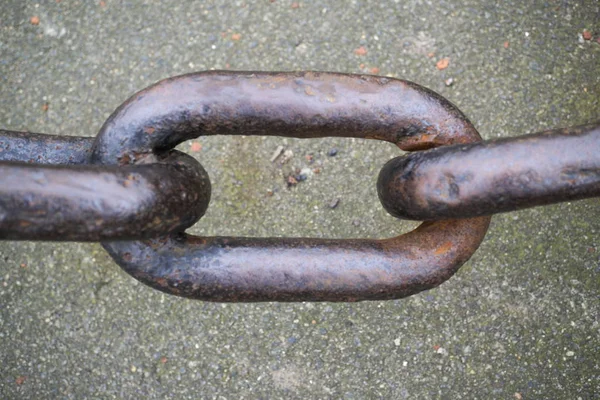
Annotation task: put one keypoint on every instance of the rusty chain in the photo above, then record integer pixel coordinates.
(129, 189)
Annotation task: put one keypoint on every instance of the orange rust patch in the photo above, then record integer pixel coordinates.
(426, 138)
(443, 248)
(125, 159)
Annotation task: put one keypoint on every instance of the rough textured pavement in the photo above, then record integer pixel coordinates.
(521, 320)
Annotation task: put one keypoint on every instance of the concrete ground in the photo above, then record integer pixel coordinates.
(521, 320)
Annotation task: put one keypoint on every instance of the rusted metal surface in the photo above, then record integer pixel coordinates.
(495, 176)
(129, 184)
(300, 269)
(37, 148)
(301, 105)
(59, 201)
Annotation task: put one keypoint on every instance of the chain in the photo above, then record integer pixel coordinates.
(130, 190)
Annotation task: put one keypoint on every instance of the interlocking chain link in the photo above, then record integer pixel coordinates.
(131, 190)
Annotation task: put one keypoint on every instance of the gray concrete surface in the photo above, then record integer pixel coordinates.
(521, 320)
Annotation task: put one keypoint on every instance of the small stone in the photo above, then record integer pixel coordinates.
(449, 82)
(334, 203)
(291, 181)
(236, 36)
(587, 35)
(307, 172)
(270, 193)
(20, 380)
(301, 177)
(195, 147)
(397, 342)
(35, 20)
(361, 51)
(442, 351)
(316, 170)
(309, 158)
(356, 222)
(163, 360)
(45, 107)
(291, 340)
(332, 152)
(295, 5)
(276, 153)
(506, 44)
(570, 353)
(443, 63)
(375, 70)
(518, 396)
(287, 156)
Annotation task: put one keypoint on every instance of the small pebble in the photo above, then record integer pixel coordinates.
(195, 147)
(587, 35)
(334, 203)
(361, 51)
(442, 351)
(291, 340)
(443, 63)
(287, 156)
(276, 153)
(332, 152)
(449, 81)
(291, 181)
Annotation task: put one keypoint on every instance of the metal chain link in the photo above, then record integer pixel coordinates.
(131, 190)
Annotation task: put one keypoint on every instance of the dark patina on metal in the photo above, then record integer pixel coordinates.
(53, 195)
(301, 105)
(128, 184)
(494, 176)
